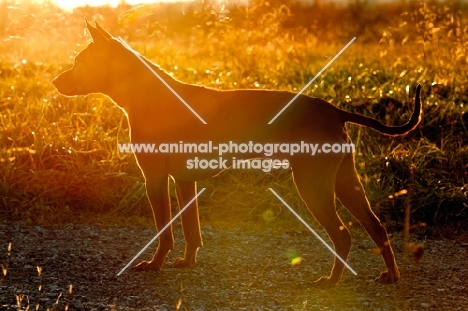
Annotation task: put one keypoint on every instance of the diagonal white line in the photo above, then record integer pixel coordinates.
(160, 232)
(311, 81)
(162, 80)
(313, 231)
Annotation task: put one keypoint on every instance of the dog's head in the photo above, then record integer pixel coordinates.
(90, 72)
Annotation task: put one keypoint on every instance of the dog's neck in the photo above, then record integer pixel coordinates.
(131, 95)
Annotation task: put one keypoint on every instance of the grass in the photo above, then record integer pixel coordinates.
(59, 160)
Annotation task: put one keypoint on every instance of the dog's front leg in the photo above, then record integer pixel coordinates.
(158, 194)
(186, 191)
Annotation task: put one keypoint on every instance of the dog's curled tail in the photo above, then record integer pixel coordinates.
(389, 130)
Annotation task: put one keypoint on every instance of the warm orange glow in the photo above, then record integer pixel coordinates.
(71, 4)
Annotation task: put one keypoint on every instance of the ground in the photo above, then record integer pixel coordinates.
(239, 269)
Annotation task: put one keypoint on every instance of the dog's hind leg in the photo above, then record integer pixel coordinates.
(350, 192)
(186, 191)
(158, 195)
(315, 184)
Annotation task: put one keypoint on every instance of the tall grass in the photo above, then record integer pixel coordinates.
(59, 160)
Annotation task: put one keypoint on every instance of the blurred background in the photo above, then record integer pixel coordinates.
(59, 160)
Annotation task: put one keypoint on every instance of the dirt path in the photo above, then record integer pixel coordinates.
(238, 270)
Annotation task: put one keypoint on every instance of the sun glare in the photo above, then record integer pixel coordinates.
(71, 4)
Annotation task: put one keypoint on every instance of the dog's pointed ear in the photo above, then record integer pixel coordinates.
(104, 33)
(96, 34)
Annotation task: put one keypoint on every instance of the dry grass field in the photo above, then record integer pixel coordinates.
(60, 165)
(59, 160)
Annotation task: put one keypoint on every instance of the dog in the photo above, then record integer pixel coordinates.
(156, 115)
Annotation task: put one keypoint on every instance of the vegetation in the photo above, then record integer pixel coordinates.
(59, 160)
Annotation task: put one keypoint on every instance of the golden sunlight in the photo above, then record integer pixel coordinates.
(71, 4)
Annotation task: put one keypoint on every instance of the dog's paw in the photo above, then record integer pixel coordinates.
(324, 282)
(386, 278)
(146, 266)
(184, 263)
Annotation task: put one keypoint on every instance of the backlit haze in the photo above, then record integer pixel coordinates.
(70, 4)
